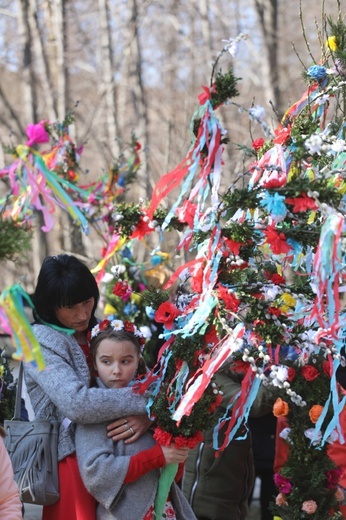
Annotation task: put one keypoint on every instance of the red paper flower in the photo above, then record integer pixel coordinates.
(302, 204)
(232, 245)
(278, 279)
(129, 326)
(276, 240)
(274, 311)
(291, 374)
(162, 437)
(309, 372)
(122, 289)
(282, 135)
(230, 300)
(166, 314)
(257, 144)
(104, 324)
(333, 477)
(141, 230)
(188, 442)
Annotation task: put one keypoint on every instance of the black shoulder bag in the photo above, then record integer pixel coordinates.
(33, 449)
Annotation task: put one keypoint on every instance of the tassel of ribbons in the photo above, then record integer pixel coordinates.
(14, 322)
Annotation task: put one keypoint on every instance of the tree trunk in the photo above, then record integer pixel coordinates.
(107, 76)
(26, 38)
(267, 11)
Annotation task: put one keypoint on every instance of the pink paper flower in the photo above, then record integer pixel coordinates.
(282, 483)
(309, 507)
(37, 133)
(281, 500)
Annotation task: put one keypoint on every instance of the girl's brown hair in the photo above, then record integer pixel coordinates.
(118, 335)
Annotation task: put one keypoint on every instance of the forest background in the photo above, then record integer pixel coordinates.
(137, 67)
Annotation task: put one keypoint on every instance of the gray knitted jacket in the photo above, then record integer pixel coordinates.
(62, 389)
(103, 465)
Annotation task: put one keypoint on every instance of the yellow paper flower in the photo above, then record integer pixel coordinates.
(290, 302)
(331, 43)
(109, 309)
(293, 172)
(135, 298)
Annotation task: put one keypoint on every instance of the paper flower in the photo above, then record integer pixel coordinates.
(166, 314)
(309, 507)
(331, 43)
(315, 412)
(283, 484)
(37, 134)
(280, 408)
(309, 372)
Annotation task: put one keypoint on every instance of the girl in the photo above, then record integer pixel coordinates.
(124, 478)
(66, 297)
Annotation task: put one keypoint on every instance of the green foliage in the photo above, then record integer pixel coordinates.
(15, 239)
(125, 218)
(7, 389)
(185, 352)
(338, 30)
(154, 297)
(225, 88)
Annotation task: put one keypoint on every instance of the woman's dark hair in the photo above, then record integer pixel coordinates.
(118, 335)
(63, 280)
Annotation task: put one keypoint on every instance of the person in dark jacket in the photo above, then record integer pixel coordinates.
(263, 430)
(218, 487)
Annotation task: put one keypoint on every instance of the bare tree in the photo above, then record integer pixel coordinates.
(138, 67)
(267, 11)
(107, 83)
(137, 93)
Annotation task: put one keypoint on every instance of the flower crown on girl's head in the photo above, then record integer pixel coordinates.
(128, 326)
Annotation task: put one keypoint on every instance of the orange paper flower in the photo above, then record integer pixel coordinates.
(315, 412)
(280, 408)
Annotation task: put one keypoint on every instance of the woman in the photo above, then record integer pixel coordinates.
(65, 300)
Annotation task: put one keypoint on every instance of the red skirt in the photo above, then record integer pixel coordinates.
(75, 501)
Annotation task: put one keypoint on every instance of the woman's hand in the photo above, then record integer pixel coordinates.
(173, 454)
(128, 428)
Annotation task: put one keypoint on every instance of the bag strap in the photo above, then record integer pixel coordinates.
(18, 403)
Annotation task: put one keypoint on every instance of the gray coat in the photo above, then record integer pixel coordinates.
(103, 466)
(62, 389)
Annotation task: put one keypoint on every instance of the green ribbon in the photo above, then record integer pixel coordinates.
(165, 481)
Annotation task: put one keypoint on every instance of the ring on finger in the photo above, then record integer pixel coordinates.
(132, 430)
